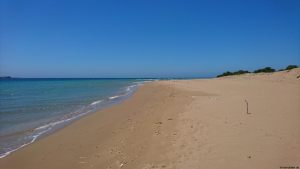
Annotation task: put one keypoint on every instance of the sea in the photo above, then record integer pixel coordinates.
(33, 108)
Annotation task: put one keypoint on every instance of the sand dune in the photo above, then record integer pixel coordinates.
(182, 124)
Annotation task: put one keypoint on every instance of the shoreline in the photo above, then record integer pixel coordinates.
(199, 123)
(111, 118)
(53, 126)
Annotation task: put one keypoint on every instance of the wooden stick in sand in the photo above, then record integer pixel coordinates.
(247, 107)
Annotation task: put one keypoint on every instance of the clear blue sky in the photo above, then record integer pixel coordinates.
(146, 38)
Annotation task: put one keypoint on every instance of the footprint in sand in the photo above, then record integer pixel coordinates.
(157, 128)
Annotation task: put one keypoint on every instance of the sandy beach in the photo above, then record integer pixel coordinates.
(247, 121)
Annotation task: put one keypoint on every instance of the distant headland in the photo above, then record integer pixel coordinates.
(5, 77)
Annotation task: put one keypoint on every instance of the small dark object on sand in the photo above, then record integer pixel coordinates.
(247, 107)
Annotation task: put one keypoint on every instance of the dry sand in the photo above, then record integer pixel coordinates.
(182, 124)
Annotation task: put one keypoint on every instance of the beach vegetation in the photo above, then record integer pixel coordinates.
(228, 73)
(262, 70)
(290, 67)
(265, 70)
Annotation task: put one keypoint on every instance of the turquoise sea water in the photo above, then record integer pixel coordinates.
(31, 108)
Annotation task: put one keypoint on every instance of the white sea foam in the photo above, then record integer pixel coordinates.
(129, 88)
(114, 97)
(96, 102)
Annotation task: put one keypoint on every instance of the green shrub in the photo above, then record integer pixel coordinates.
(225, 74)
(233, 73)
(290, 67)
(240, 72)
(265, 70)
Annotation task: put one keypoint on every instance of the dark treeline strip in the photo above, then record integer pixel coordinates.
(263, 70)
